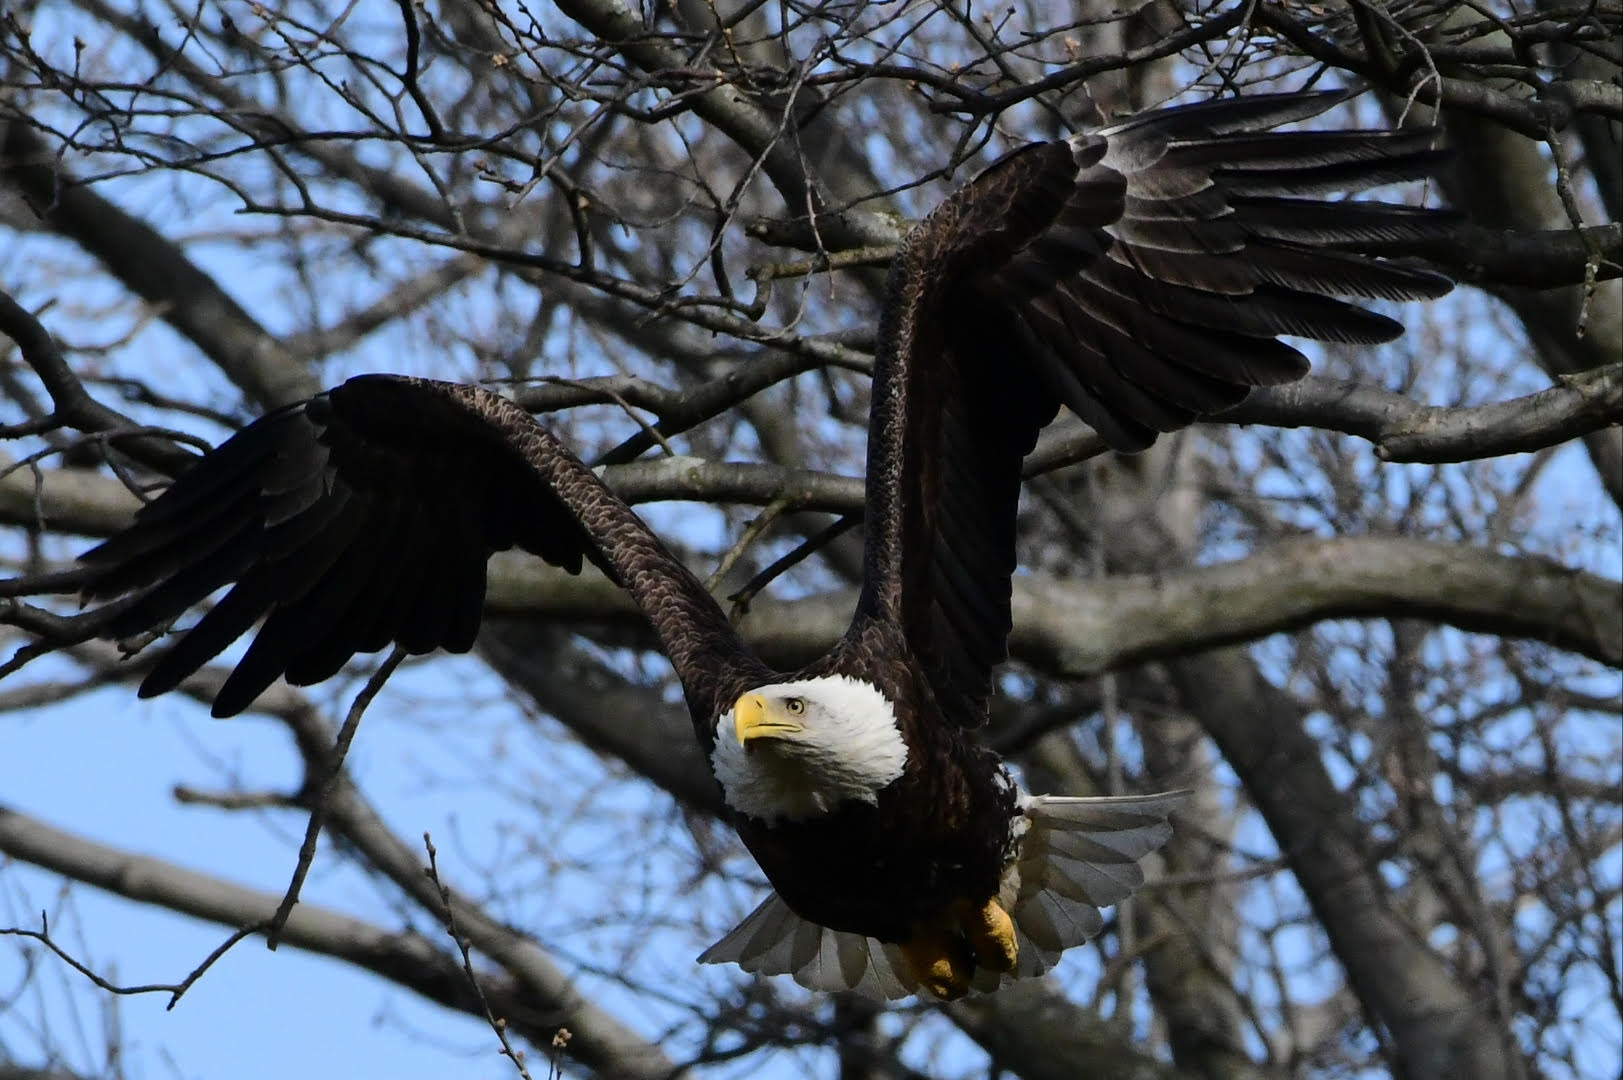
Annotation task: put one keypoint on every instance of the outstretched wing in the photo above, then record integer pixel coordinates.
(364, 517)
(1138, 275)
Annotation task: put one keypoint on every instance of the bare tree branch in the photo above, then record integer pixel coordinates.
(599, 1040)
(154, 268)
(1402, 430)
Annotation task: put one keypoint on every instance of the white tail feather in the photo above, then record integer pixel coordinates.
(772, 940)
(1075, 857)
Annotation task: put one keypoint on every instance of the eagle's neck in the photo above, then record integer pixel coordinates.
(851, 750)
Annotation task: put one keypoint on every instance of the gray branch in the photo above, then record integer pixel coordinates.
(1079, 629)
(1082, 629)
(1502, 181)
(1402, 430)
(1039, 1034)
(90, 504)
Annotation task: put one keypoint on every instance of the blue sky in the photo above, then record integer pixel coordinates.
(103, 767)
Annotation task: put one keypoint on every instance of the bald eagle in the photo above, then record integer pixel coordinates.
(1138, 275)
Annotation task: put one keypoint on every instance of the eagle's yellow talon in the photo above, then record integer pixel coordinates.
(931, 960)
(944, 957)
(991, 936)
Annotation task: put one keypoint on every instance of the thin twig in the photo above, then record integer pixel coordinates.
(497, 1024)
(174, 990)
(816, 542)
(325, 791)
(752, 532)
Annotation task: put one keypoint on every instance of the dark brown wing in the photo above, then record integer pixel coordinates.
(364, 517)
(1138, 275)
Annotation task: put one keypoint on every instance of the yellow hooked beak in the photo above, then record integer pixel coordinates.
(754, 717)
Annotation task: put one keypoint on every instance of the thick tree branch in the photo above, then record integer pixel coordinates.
(1402, 430)
(85, 503)
(1526, 258)
(1502, 181)
(1083, 629)
(73, 501)
(1078, 629)
(1033, 1031)
(88, 504)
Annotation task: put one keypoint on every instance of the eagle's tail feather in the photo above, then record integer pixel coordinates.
(772, 940)
(1077, 856)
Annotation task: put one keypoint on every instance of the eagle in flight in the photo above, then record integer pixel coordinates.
(1139, 275)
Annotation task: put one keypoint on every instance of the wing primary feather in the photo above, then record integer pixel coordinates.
(154, 550)
(224, 623)
(302, 620)
(1311, 221)
(221, 469)
(167, 600)
(1330, 178)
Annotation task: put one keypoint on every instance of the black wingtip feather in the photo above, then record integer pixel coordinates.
(354, 520)
(225, 622)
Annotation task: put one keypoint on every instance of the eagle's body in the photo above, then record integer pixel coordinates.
(1138, 275)
(883, 869)
(940, 832)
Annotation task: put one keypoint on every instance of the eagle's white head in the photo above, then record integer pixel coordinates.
(795, 750)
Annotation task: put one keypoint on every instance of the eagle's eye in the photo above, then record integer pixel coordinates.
(795, 705)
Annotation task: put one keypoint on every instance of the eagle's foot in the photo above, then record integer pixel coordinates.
(940, 963)
(991, 935)
(943, 957)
